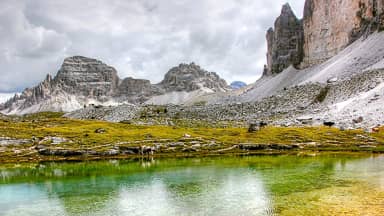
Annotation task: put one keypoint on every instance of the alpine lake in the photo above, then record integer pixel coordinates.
(325, 184)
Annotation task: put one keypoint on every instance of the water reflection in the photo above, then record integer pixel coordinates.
(371, 169)
(197, 192)
(28, 199)
(212, 186)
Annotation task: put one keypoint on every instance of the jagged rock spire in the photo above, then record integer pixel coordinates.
(285, 42)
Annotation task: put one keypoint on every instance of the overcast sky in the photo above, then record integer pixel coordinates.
(140, 38)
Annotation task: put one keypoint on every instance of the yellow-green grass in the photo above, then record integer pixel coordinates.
(82, 134)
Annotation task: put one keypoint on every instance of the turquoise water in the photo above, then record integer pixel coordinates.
(259, 185)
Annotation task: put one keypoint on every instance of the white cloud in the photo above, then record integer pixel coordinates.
(140, 38)
(6, 96)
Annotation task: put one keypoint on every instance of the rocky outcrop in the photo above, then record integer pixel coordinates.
(82, 81)
(330, 25)
(191, 77)
(285, 42)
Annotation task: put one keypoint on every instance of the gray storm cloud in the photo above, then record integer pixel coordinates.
(141, 38)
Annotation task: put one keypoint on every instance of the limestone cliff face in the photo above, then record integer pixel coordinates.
(88, 77)
(285, 42)
(137, 90)
(330, 25)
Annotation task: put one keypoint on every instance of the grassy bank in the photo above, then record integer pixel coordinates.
(101, 139)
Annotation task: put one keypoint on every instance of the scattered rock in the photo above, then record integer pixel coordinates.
(253, 127)
(54, 140)
(112, 152)
(252, 147)
(255, 147)
(100, 130)
(376, 129)
(329, 123)
(358, 120)
(195, 146)
(332, 80)
(44, 150)
(189, 150)
(306, 120)
(126, 122)
(147, 150)
(176, 144)
(367, 146)
(148, 136)
(5, 141)
(129, 149)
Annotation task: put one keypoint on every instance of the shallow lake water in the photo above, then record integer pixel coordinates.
(252, 185)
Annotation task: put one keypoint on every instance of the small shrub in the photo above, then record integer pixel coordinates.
(200, 103)
(322, 95)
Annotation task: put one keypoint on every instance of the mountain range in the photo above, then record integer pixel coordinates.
(82, 81)
(325, 66)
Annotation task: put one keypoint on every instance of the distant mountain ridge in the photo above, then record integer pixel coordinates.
(237, 85)
(82, 81)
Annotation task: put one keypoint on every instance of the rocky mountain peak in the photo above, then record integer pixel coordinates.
(284, 42)
(286, 10)
(87, 76)
(190, 77)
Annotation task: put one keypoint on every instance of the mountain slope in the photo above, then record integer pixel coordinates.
(365, 53)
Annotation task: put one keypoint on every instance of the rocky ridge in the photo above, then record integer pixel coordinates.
(82, 81)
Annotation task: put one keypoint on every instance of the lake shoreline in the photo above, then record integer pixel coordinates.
(85, 158)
